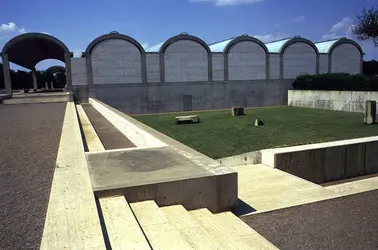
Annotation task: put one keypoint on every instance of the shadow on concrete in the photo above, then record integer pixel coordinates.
(243, 208)
(103, 226)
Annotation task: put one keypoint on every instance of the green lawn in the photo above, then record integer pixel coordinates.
(220, 135)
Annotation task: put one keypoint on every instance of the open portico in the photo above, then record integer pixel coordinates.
(28, 49)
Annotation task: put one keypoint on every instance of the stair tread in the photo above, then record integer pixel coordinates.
(121, 225)
(218, 230)
(179, 217)
(247, 234)
(148, 213)
(159, 230)
(190, 228)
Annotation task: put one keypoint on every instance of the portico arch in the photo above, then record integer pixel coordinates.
(29, 49)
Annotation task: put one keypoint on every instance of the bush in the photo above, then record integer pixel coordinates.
(336, 81)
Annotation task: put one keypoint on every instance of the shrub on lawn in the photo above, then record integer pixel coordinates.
(336, 81)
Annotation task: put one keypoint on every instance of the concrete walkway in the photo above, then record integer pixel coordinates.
(263, 189)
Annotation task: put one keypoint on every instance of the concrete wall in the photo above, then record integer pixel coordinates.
(274, 66)
(325, 162)
(218, 66)
(116, 61)
(153, 67)
(299, 58)
(246, 61)
(167, 97)
(351, 101)
(185, 61)
(346, 58)
(323, 63)
(79, 71)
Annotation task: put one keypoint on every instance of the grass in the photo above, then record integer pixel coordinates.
(221, 135)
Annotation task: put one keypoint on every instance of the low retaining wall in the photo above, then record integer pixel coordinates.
(351, 101)
(253, 157)
(325, 162)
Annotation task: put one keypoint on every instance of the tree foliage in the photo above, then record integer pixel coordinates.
(336, 81)
(367, 26)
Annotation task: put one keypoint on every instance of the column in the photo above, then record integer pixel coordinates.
(52, 85)
(46, 85)
(34, 75)
(6, 72)
(67, 59)
(281, 66)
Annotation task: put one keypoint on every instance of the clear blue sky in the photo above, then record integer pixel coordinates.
(150, 22)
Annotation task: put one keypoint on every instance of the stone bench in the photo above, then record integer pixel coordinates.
(187, 119)
(237, 111)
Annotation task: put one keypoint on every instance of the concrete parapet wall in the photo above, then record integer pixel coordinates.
(351, 101)
(137, 136)
(325, 162)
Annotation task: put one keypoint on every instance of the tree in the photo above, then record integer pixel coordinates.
(60, 79)
(367, 26)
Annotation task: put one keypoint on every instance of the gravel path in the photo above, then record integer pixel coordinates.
(350, 222)
(29, 141)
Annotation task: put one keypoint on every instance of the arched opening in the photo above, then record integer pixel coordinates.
(55, 77)
(27, 50)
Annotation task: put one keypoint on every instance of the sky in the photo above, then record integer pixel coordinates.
(150, 22)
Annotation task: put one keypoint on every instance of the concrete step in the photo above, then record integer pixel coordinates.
(190, 228)
(39, 98)
(355, 186)
(159, 231)
(244, 232)
(121, 225)
(219, 231)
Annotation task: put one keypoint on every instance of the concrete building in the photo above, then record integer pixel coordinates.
(185, 73)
